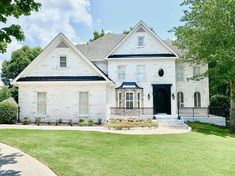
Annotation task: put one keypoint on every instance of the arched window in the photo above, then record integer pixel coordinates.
(180, 99)
(197, 99)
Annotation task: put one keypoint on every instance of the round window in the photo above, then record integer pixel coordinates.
(161, 72)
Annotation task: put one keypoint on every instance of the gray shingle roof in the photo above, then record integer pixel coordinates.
(98, 49)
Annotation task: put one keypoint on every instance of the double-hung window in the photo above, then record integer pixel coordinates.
(63, 61)
(140, 41)
(196, 70)
(41, 103)
(83, 103)
(180, 99)
(140, 73)
(121, 72)
(179, 73)
(129, 100)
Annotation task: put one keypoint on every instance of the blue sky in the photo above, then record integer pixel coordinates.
(77, 19)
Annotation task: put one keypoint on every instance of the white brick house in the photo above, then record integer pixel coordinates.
(135, 71)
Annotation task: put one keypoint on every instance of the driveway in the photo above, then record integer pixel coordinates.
(14, 162)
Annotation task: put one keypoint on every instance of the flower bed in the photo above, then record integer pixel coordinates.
(119, 124)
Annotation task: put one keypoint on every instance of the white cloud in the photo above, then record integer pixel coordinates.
(54, 16)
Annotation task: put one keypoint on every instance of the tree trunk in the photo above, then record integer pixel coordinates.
(232, 109)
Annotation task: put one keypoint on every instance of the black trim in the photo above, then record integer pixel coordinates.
(129, 84)
(140, 55)
(61, 78)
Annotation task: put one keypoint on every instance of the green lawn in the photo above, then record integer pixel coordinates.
(205, 152)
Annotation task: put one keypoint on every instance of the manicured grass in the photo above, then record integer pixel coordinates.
(207, 151)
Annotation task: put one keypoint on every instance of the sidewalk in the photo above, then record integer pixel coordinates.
(162, 129)
(14, 162)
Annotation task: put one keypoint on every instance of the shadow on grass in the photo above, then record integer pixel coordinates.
(210, 129)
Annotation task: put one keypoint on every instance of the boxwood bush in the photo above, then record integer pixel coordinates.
(8, 112)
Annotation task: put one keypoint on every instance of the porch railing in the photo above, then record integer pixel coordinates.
(201, 111)
(134, 112)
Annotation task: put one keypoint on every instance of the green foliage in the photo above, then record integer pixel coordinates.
(20, 59)
(38, 121)
(10, 8)
(81, 120)
(26, 121)
(97, 35)
(90, 122)
(207, 36)
(221, 101)
(5, 93)
(8, 112)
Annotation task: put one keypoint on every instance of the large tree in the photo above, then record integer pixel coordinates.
(208, 36)
(19, 60)
(13, 8)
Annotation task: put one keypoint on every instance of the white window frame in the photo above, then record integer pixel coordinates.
(63, 62)
(121, 71)
(42, 103)
(197, 99)
(180, 99)
(119, 99)
(180, 73)
(133, 100)
(140, 73)
(79, 105)
(140, 41)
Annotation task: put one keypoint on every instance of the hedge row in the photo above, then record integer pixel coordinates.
(8, 112)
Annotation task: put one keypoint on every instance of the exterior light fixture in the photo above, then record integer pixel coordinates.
(173, 96)
(148, 96)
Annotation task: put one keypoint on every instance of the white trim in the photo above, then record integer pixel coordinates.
(132, 31)
(133, 99)
(59, 38)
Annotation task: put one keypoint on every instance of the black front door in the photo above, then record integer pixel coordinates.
(162, 98)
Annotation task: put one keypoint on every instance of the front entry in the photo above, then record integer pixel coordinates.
(162, 98)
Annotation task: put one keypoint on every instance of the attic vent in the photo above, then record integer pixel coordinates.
(62, 45)
(140, 30)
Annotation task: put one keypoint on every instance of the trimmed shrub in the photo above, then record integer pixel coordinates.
(38, 121)
(99, 121)
(60, 121)
(8, 112)
(90, 122)
(222, 102)
(71, 122)
(26, 121)
(81, 120)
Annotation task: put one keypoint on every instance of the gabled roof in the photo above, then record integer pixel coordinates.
(55, 42)
(98, 49)
(141, 24)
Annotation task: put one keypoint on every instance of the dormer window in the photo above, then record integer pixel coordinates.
(63, 61)
(140, 41)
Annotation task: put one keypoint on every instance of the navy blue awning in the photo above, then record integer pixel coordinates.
(141, 55)
(129, 85)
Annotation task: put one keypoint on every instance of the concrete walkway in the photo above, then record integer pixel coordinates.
(14, 162)
(162, 129)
